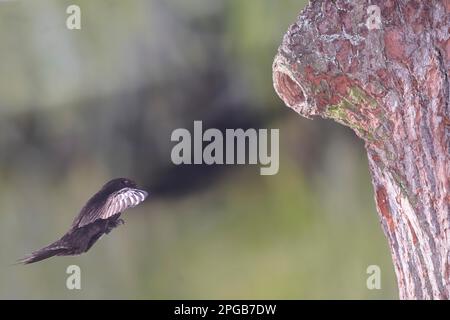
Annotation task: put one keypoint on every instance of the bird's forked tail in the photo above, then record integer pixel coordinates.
(44, 253)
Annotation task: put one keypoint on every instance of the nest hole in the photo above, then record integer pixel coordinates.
(291, 93)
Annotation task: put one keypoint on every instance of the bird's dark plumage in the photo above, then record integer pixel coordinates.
(100, 215)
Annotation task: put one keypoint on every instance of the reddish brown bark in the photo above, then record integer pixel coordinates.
(391, 86)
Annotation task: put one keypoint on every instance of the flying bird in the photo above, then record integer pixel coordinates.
(99, 216)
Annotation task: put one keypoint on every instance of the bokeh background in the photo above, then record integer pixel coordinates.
(79, 107)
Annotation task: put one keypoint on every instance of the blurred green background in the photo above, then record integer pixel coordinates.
(79, 107)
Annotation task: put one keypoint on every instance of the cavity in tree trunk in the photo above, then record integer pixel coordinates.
(388, 80)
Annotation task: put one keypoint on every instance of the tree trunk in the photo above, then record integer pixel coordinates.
(387, 78)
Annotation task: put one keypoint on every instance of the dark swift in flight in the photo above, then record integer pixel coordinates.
(100, 215)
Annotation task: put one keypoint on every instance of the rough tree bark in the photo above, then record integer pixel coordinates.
(389, 82)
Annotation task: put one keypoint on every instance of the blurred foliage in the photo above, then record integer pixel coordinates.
(80, 107)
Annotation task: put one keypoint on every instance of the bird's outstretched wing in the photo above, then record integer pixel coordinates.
(116, 203)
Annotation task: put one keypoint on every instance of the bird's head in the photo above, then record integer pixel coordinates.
(118, 184)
